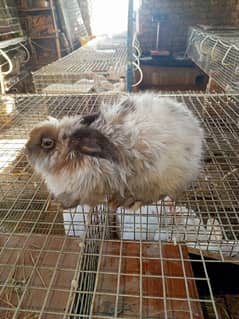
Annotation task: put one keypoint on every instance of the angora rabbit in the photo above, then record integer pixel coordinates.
(134, 152)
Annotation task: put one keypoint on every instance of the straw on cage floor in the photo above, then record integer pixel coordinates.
(37, 275)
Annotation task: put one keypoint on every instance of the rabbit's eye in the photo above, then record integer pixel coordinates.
(47, 143)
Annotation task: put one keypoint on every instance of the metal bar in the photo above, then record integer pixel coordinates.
(130, 46)
(58, 46)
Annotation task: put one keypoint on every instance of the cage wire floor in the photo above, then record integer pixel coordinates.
(83, 263)
(216, 52)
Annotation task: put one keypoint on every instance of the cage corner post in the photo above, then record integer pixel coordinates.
(130, 46)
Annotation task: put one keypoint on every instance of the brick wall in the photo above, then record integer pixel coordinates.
(180, 15)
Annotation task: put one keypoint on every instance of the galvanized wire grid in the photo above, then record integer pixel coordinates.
(216, 52)
(83, 63)
(137, 279)
(39, 263)
(82, 263)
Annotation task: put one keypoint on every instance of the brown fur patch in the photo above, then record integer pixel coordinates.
(71, 165)
(92, 142)
(38, 133)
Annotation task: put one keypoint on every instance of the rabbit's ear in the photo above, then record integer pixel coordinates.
(89, 118)
(91, 142)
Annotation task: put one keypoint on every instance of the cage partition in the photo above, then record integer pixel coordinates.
(98, 263)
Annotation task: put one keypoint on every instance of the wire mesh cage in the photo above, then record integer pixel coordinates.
(216, 52)
(13, 57)
(13, 52)
(98, 263)
(9, 20)
(85, 70)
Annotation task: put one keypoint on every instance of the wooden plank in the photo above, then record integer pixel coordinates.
(171, 78)
(160, 280)
(34, 9)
